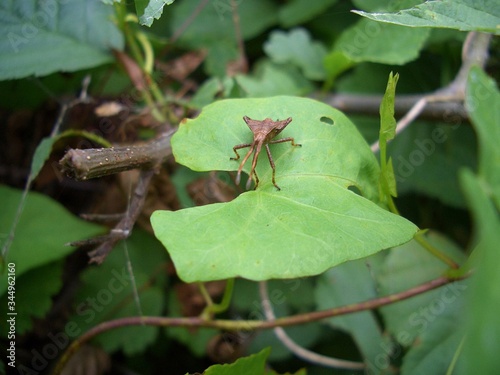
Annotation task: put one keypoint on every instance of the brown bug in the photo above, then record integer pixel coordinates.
(263, 133)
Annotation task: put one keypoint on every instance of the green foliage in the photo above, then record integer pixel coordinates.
(314, 223)
(381, 43)
(463, 15)
(44, 225)
(252, 365)
(213, 30)
(410, 265)
(297, 48)
(337, 287)
(329, 220)
(480, 351)
(298, 11)
(33, 302)
(64, 36)
(108, 293)
(387, 133)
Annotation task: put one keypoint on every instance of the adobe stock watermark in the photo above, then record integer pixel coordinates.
(87, 309)
(41, 18)
(419, 321)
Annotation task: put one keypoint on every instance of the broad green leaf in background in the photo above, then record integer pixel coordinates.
(213, 29)
(428, 156)
(483, 106)
(34, 292)
(108, 293)
(335, 63)
(299, 11)
(297, 48)
(252, 365)
(269, 79)
(480, 352)
(381, 43)
(149, 10)
(64, 36)
(314, 223)
(482, 343)
(43, 230)
(435, 348)
(410, 265)
(349, 283)
(464, 15)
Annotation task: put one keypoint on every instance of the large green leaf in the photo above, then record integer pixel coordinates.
(42, 232)
(64, 36)
(480, 354)
(408, 266)
(464, 15)
(381, 43)
(314, 223)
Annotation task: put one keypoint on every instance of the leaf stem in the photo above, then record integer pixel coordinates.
(420, 238)
(216, 308)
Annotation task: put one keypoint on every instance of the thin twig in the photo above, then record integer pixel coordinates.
(247, 325)
(295, 348)
(369, 105)
(123, 229)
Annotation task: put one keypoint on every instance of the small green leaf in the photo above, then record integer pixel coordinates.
(272, 79)
(464, 15)
(252, 365)
(297, 48)
(387, 132)
(149, 10)
(381, 43)
(42, 232)
(64, 36)
(314, 223)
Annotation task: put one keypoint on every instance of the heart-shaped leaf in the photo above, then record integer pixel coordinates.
(314, 223)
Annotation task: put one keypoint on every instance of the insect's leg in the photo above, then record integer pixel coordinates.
(288, 139)
(238, 175)
(237, 147)
(254, 164)
(271, 161)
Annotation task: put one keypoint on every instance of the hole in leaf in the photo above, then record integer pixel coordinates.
(354, 189)
(326, 120)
